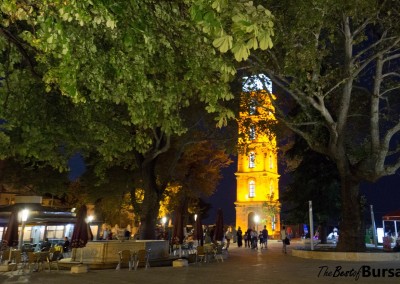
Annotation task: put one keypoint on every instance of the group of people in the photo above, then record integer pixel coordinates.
(251, 238)
(46, 245)
(115, 233)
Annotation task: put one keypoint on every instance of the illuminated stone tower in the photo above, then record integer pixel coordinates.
(257, 173)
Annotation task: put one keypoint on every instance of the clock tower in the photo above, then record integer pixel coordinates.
(257, 172)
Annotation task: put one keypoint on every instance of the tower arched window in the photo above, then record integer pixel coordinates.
(271, 162)
(252, 188)
(252, 160)
(271, 188)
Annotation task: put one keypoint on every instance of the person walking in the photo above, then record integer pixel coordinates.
(265, 236)
(239, 235)
(254, 239)
(247, 238)
(228, 237)
(261, 238)
(283, 238)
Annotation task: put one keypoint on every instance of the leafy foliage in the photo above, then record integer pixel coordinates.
(337, 64)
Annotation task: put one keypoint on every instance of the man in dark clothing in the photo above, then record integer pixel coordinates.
(66, 245)
(265, 236)
(45, 246)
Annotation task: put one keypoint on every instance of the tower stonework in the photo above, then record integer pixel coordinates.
(257, 171)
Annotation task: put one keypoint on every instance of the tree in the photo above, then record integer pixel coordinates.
(196, 174)
(129, 68)
(315, 178)
(338, 62)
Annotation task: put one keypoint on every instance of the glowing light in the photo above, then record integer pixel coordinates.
(257, 83)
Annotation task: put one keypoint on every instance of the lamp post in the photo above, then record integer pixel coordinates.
(24, 216)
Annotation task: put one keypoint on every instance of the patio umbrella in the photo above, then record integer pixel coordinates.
(219, 226)
(82, 233)
(177, 237)
(11, 235)
(198, 234)
(178, 227)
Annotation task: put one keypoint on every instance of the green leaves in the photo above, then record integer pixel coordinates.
(265, 41)
(223, 43)
(241, 51)
(236, 27)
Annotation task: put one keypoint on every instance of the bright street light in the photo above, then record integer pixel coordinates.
(24, 217)
(256, 220)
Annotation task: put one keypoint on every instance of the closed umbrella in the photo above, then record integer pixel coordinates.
(178, 236)
(198, 234)
(11, 235)
(82, 233)
(219, 226)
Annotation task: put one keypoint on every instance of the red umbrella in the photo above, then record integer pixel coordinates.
(198, 234)
(11, 235)
(219, 226)
(82, 233)
(178, 235)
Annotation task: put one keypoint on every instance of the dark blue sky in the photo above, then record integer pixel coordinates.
(224, 197)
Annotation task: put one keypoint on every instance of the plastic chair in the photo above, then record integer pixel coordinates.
(125, 256)
(5, 255)
(218, 253)
(200, 254)
(142, 257)
(55, 257)
(43, 257)
(16, 259)
(30, 260)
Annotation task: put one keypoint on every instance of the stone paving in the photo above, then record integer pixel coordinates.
(243, 265)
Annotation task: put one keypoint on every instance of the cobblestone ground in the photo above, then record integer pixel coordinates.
(242, 266)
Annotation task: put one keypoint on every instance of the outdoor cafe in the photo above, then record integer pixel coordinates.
(40, 222)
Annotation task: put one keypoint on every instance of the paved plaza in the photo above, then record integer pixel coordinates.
(242, 266)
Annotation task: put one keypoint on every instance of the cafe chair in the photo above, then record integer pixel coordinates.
(54, 258)
(125, 257)
(41, 258)
(218, 253)
(16, 260)
(142, 257)
(200, 254)
(30, 260)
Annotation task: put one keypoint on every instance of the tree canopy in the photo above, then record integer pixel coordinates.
(115, 78)
(338, 63)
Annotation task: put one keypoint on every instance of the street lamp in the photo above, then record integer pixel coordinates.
(195, 217)
(256, 220)
(24, 216)
(90, 218)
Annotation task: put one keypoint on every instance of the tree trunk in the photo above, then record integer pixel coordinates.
(351, 227)
(151, 202)
(323, 232)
